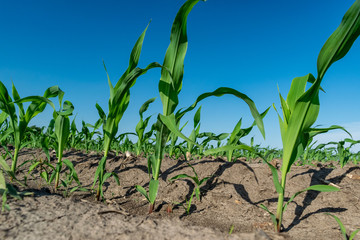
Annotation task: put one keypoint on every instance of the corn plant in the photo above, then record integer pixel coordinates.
(7, 188)
(316, 131)
(209, 136)
(169, 88)
(118, 103)
(142, 124)
(194, 133)
(18, 124)
(343, 229)
(239, 133)
(198, 182)
(173, 140)
(88, 135)
(62, 132)
(343, 153)
(301, 108)
(75, 137)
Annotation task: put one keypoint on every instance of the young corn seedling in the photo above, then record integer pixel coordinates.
(142, 124)
(343, 153)
(209, 136)
(301, 108)
(118, 103)
(169, 88)
(69, 178)
(316, 131)
(238, 133)
(88, 135)
(197, 182)
(173, 140)
(62, 132)
(6, 188)
(18, 124)
(343, 229)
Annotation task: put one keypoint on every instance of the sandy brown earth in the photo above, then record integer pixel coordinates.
(231, 197)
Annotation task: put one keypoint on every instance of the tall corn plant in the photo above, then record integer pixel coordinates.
(118, 103)
(169, 88)
(19, 123)
(301, 107)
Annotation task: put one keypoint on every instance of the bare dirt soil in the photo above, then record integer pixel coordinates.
(230, 197)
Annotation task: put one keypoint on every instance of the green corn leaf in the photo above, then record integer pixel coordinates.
(2, 181)
(72, 170)
(297, 89)
(33, 166)
(320, 188)
(99, 170)
(109, 82)
(49, 165)
(3, 117)
(134, 57)
(143, 192)
(64, 183)
(6, 103)
(340, 42)
(16, 97)
(352, 235)
(203, 180)
(341, 225)
(197, 117)
(62, 131)
(275, 176)
(73, 126)
(180, 176)
(197, 193)
(45, 176)
(273, 218)
(100, 111)
(145, 106)
(52, 176)
(74, 189)
(106, 176)
(316, 131)
(153, 190)
(233, 137)
(116, 177)
(170, 122)
(170, 83)
(223, 91)
(305, 113)
(285, 110)
(67, 110)
(4, 165)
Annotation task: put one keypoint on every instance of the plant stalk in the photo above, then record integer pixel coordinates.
(14, 162)
(57, 177)
(280, 206)
(101, 174)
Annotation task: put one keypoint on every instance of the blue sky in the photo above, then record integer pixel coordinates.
(252, 46)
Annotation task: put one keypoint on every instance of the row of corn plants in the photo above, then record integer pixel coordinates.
(299, 112)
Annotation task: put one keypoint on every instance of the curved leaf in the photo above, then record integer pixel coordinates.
(223, 91)
(340, 42)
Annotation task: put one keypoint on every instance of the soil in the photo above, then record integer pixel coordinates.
(230, 199)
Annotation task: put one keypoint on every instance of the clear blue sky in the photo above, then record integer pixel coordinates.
(252, 46)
